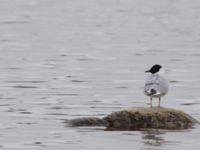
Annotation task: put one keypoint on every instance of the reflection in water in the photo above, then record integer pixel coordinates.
(153, 137)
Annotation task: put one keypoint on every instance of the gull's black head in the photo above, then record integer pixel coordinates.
(154, 69)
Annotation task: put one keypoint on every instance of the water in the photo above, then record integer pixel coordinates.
(67, 59)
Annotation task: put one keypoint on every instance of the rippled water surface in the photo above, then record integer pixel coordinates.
(66, 59)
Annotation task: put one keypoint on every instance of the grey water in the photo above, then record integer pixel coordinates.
(66, 59)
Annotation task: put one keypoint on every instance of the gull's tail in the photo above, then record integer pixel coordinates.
(151, 92)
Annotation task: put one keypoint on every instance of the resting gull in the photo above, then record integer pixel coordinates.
(156, 86)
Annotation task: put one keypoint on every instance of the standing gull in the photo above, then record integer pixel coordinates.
(156, 86)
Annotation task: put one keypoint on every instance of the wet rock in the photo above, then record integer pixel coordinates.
(149, 118)
(90, 121)
(139, 119)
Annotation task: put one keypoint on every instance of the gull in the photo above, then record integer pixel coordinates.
(156, 86)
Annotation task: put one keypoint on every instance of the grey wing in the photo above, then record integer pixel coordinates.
(157, 83)
(149, 84)
(162, 85)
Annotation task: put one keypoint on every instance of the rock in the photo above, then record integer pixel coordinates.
(149, 118)
(139, 119)
(90, 121)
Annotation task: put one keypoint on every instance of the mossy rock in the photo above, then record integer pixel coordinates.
(149, 118)
(139, 119)
(89, 121)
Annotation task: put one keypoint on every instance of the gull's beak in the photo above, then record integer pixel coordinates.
(147, 71)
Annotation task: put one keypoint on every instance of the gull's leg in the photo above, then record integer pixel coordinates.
(159, 101)
(151, 102)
